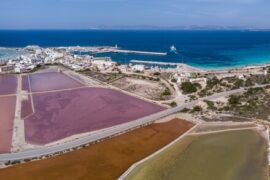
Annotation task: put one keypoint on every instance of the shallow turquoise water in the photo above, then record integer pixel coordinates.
(8, 53)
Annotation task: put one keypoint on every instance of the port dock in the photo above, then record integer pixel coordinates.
(139, 52)
(109, 49)
(155, 62)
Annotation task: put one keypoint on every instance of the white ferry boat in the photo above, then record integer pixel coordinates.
(173, 49)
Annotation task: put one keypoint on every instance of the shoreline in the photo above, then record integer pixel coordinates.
(189, 67)
(244, 66)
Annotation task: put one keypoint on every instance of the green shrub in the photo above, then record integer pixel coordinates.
(196, 109)
(253, 91)
(156, 73)
(185, 110)
(234, 100)
(249, 82)
(173, 104)
(188, 87)
(210, 104)
(239, 83)
(212, 82)
(166, 92)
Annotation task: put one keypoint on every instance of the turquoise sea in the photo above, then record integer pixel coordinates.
(204, 49)
(8, 53)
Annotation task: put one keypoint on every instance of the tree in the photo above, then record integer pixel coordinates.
(234, 100)
(188, 87)
(156, 73)
(166, 92)
(173, 80)
(185, 110)
(239, 83)
(210, 104)
(173, 104)
(197, 109)
(212, 82)
(249, 82)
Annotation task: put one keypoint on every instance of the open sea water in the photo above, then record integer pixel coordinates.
(203, 49)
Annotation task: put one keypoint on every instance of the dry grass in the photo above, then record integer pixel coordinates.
(142, 87)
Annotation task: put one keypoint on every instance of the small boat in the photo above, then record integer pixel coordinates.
(173, 49)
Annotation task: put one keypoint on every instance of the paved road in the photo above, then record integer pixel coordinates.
(28, 154)
(18, 137)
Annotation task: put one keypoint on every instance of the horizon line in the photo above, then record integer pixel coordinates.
(138, 28)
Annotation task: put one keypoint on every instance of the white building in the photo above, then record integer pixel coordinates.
(198, 80)
(180, 80)
(241, 76)
(103, 64)
(138, 67)
(7, 68)
(76, 67)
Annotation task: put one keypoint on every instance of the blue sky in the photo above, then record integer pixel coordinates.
(81, 14)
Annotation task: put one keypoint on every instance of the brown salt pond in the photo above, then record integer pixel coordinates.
(7, 113)
(105, 160)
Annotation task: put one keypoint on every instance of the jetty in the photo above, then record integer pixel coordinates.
(111, 49)
(156, 62)
(138, 52)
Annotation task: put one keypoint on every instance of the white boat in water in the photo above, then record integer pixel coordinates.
(173, 49)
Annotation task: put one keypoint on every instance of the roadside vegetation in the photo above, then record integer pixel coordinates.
(188, 87)
(254, 103)
(103, 77)
(249, 103)
(216, 85)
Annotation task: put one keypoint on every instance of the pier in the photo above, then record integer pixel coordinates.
(156, 62)
(139, 52)
(109, 49)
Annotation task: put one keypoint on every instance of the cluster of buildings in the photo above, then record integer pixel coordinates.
(36, 56)
(33, 57)
(181, 77)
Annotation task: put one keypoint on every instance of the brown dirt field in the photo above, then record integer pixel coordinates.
(105, 160)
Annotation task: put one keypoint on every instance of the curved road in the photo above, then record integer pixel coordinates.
(38, 152)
